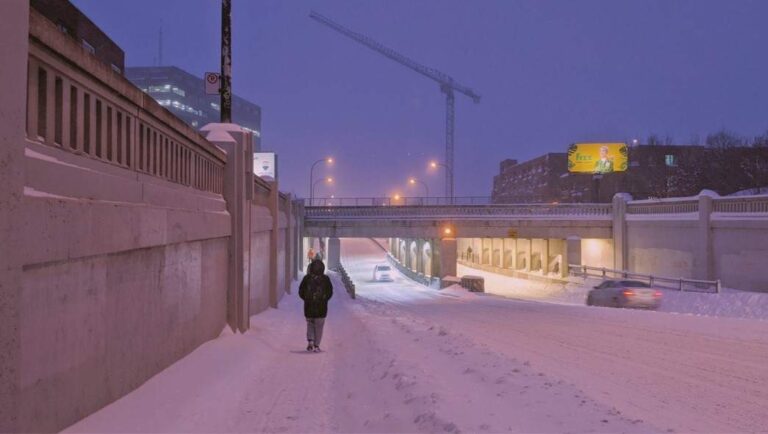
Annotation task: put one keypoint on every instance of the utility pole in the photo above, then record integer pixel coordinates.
(226, 61)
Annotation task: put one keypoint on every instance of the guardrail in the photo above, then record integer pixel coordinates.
(663, 207)
(680, 284)
(416, 277)
(482, 207)
(346, 280)
(526, 210)
(741, 204)
(79, 105)
(400, 201)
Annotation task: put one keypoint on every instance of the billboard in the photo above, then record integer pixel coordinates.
(265, 165)
(597, 157)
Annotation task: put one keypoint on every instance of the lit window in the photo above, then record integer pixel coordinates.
(160, 89)
(178, 91)
(670, 160)
(215, 106)
(88, 47)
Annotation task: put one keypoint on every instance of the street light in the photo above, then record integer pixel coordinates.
(434, 164)
(413, 181)
(327, 180)
(328, 160)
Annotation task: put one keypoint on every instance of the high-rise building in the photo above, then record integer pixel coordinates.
(184, 95)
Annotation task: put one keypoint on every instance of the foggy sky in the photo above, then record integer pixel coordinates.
(550, 73)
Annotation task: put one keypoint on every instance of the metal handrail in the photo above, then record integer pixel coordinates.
(679, 283)
(481, 211)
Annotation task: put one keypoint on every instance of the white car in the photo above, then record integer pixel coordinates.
(382, 273)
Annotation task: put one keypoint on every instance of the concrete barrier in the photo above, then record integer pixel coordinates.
(132, 238)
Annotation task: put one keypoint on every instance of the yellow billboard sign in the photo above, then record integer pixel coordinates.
(597, 157)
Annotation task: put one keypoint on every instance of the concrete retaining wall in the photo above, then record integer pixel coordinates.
(115, 254)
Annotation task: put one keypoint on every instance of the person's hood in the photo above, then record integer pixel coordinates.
(317, 268)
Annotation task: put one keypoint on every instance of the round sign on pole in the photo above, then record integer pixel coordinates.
(212, 83)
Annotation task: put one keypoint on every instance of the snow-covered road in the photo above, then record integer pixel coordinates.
(404, 358)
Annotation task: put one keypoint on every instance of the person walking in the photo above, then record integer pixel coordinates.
(315, 289)
(310, 255)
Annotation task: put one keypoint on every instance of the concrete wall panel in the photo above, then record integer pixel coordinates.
(741, 253)
(259, 274)
(597, 252)
(662, 247)
(94, 329)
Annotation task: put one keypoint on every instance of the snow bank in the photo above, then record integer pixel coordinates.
(729, 303)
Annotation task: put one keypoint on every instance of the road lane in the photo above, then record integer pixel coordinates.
(678, 372)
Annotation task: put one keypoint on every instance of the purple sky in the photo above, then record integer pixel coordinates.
(550, 73)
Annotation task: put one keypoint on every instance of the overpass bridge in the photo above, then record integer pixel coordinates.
(703, 237)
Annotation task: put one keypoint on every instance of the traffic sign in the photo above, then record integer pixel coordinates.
(212, 83)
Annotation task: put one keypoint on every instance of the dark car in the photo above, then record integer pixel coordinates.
(624, 293)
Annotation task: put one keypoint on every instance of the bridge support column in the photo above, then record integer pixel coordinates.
(13, 50)
(420, 256)
(407, 260)
(572, 253)
(448, 255)
(334, 253)
(620, 247)
(704, 266)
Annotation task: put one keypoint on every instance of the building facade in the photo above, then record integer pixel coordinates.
(655, 171)
(184, 95)
(68, 18)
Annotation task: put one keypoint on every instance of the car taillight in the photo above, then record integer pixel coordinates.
(628, 293)
(657, 294)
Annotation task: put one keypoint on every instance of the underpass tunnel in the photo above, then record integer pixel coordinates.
(428, 260)
(539, 256)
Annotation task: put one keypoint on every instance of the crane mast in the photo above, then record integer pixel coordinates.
(448, 86)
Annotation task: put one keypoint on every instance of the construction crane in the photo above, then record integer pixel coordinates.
(447, 86)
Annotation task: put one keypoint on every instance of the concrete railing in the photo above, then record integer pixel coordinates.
(741, 204)
(77, 104)
(680, 284)
(663, 207)
(467, 211)
(401, 201)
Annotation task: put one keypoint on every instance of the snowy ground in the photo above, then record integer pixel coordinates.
(404, 358)
(730, 303)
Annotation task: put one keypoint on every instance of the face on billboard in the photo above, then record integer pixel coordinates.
(264, 165)
(597, 158)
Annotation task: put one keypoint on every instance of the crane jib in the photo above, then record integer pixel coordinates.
(447, 86)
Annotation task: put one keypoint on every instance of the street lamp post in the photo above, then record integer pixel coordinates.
(312, 190)
(328, 160)
(448, 171)
(413, 181)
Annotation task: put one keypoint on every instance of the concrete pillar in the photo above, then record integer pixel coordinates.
(235, 187)
(448, 254)
(274, 241)
(334, 253)
(407, 260)
(14, 37)
(289, 243)
(620, 246)
(420, 256)
(545, 256)
(704, 262)
(572, 253)
(529, 253)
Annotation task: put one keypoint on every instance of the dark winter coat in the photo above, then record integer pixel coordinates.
(316, 289)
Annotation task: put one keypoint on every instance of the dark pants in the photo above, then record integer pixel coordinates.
(315, 330)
